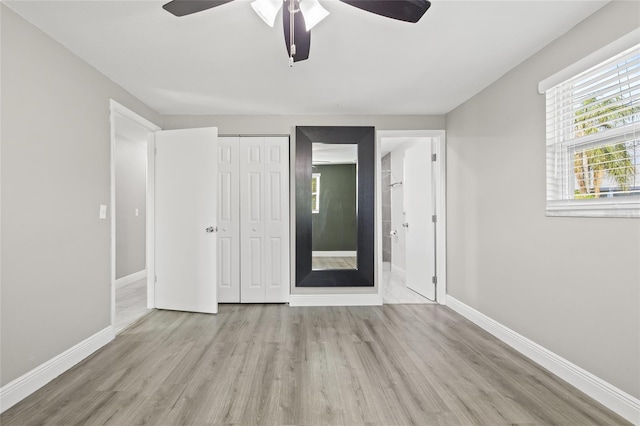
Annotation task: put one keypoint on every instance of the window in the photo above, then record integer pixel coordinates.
(593, 140)
(315, 193)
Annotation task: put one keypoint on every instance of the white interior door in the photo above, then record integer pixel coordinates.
(264, 219)
(228, 219)
(419, 229)
(185, 219)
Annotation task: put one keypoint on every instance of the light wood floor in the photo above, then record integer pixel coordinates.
(321, 262)
(277, 365)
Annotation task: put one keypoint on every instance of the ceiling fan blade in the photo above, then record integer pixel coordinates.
(301, 37)
(187, 7)
(402, 10)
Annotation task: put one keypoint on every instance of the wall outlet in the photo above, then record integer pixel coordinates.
(103, 211)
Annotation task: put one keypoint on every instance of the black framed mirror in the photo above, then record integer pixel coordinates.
(334, 211)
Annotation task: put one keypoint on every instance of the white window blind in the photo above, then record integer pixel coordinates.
(593, 140)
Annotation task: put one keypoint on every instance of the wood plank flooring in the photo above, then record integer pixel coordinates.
(320, 263)
(280, 365)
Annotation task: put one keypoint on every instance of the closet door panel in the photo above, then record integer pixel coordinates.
(253, 269)
(276, 221)
(252, 280)
(228, 220)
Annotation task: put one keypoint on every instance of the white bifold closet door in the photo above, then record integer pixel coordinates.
(253, 212)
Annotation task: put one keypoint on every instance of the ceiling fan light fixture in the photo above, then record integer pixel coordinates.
(267, 10)
(313, 12)
(302, 15)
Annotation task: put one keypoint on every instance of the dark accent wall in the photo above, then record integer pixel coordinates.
(334, 227)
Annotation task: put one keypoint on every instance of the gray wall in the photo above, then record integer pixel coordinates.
(334, 226)
(569, 284)
(55, 174)
(131, 191)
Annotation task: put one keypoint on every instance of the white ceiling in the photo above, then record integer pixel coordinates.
(227, 61)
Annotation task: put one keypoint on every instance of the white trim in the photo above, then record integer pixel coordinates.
(623, 43)
(600, 207)
(335, 300)
(377, 197)
(131, 278)
(440, 171)
(605, 393)
(116, 109)
(151, 221)
(20, 388)
(334, 253)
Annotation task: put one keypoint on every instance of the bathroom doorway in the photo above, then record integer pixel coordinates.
(410, 192)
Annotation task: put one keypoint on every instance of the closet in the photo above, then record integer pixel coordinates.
(253, 219)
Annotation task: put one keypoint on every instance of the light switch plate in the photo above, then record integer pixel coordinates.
(103, 211)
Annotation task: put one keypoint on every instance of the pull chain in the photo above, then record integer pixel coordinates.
(292, 40)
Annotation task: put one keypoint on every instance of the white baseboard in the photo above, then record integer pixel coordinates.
(605, 393)
(131, 278)
(399, 272)
(335, 300)
(15, 391)
(334, 253)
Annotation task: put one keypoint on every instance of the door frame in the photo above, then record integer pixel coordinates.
(118, 110)
(439, 171)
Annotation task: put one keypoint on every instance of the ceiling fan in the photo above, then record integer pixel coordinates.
(300, 16)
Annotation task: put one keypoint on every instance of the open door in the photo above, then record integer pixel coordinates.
(419, 206)
(185, 219)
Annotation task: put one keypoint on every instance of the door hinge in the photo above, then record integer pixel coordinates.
(155, 151)
(434, 218)
(434, 279)
(155, 279)
(433, 157)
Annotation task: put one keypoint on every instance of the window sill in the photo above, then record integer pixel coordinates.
(626, 209)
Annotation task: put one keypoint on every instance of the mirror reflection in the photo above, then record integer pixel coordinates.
(334, 238)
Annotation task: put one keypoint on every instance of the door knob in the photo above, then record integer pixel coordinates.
(211, 229)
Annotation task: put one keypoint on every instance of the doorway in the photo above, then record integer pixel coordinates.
(129, 212)
(412, 216)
